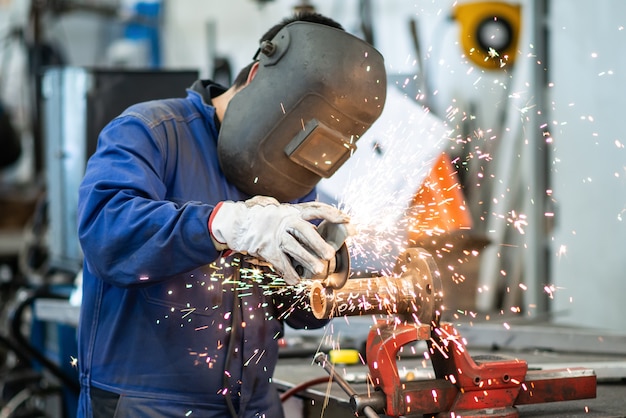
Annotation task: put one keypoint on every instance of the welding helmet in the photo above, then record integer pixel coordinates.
(316, 91)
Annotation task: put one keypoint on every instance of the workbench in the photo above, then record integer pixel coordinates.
(529, 343)
(329, 401)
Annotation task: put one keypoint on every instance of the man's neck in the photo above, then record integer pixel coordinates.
(221, 102)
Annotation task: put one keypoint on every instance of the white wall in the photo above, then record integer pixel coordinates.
(588, 66)
(238, 26)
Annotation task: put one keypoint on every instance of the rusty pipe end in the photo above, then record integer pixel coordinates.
(321, 300)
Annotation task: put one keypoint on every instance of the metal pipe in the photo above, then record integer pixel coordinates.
(415, 292)
(367, 410)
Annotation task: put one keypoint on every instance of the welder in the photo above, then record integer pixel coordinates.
(193, 213)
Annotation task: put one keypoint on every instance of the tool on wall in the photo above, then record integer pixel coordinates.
(489, 32)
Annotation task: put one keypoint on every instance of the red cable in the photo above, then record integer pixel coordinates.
(298, 388)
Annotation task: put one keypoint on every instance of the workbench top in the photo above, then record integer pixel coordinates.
(330, 401)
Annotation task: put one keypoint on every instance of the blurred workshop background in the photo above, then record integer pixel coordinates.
(517, 102)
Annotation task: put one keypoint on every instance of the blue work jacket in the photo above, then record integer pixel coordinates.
(159, 301)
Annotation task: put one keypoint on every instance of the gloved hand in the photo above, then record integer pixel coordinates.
(263, 227)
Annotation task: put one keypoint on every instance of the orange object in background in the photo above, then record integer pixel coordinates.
(439, 205)
(440, 223)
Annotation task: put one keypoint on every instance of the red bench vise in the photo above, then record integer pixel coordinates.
(463, 386)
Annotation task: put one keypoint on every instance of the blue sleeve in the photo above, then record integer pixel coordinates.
(128, 230)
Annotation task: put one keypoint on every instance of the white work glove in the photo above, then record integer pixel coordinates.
(264, 228)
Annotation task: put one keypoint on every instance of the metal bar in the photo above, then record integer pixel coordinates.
(557, 385)
(537, 269)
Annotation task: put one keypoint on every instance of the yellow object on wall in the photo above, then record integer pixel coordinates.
(489, 32)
